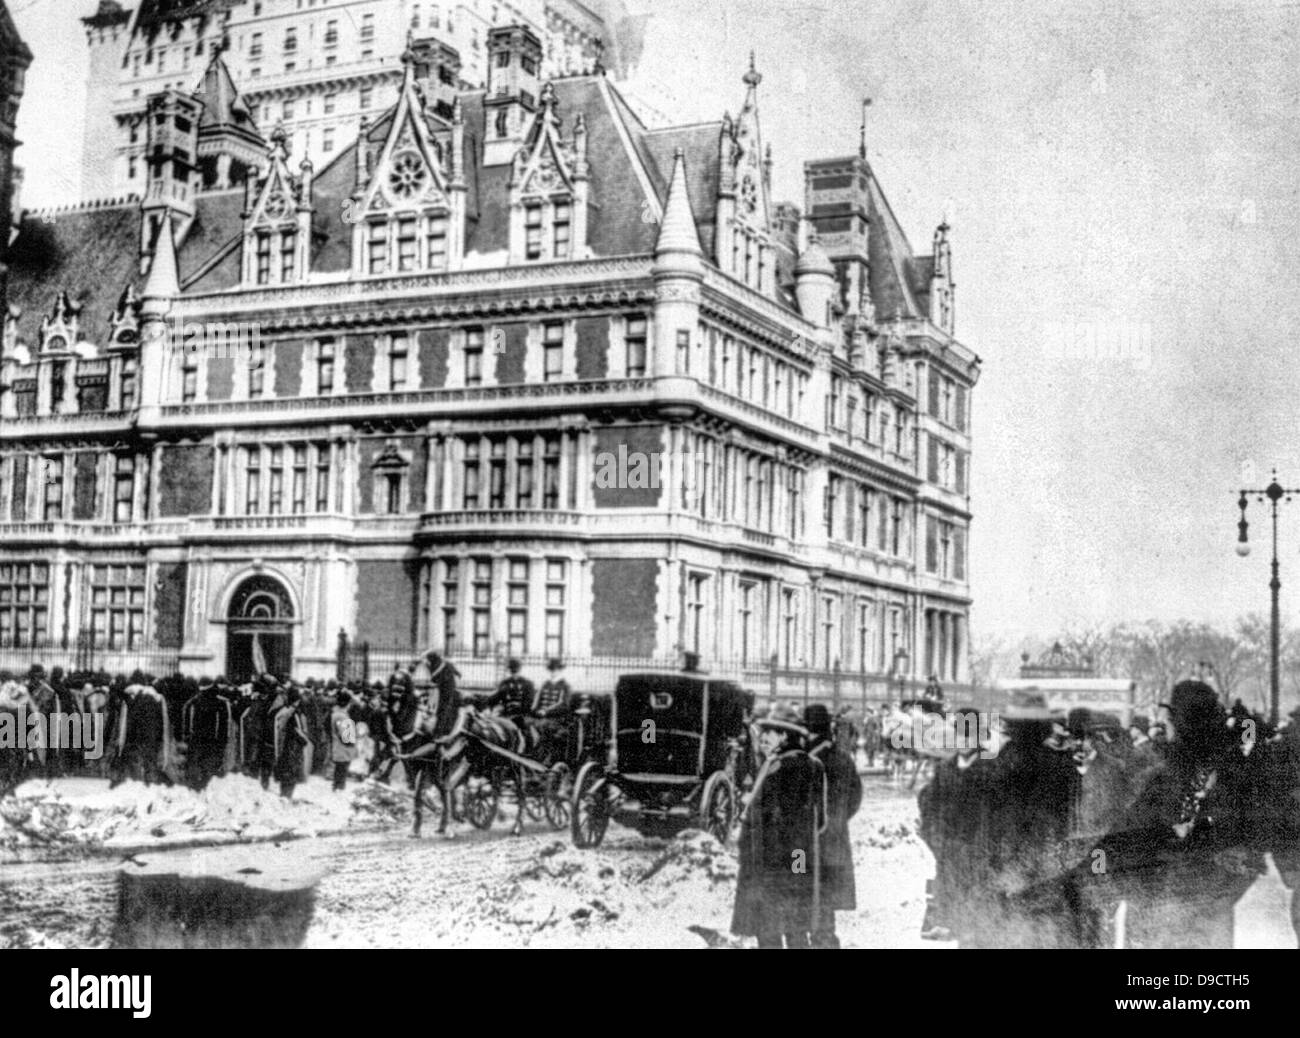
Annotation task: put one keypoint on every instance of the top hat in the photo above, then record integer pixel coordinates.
(817, 719)
(555, 664)
(513, 664)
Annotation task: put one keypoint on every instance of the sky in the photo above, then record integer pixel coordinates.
(1122, 186)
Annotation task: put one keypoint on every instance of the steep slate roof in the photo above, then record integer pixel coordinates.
(893, 274)
(223, 108)
(208, 258)
(91, 252)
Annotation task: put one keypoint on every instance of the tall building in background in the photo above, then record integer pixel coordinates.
(508, 372)
(319, 67)
(15, 59)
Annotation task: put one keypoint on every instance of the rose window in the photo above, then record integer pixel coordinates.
(408, 177)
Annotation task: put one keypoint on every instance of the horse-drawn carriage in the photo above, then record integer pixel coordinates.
(672, 760)
(502, 760)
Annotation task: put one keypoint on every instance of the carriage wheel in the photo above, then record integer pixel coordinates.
(589, 806)
(718, 806)
(555, 796)
(532, 790)
(481, 804)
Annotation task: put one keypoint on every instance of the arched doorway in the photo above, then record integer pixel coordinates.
(259, 630)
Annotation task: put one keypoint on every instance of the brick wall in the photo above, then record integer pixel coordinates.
(288, 369)
(83, 489)
(359, 368)
(435, 352)
(185, 481)
(386, 600)
(624, 606)
(221, 378)
(169, 604)
(626, 469)
(592, 335)
(510, 364)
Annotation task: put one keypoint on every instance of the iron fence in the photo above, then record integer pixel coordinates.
(370, 661)
(87, 653)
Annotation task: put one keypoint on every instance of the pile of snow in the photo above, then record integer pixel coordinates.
(232, 808)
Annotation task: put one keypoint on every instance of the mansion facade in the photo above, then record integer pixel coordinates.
(511, 374)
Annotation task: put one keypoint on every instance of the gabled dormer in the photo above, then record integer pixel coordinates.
(124, 325)
(229, 145)
(409, 201)
(277, 220)
(743, 235)
(548, 190)
(59, 329)
(942, 289)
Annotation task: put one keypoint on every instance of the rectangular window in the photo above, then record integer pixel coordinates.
(406, 244)
(364, 97)
(392, 492)
(325, 366)
(377, 247)
(931, 544)
(497, 475)
(299, 478)
(127, 383)
(275, 495)
(263, 258)
(322, 477)
(53, 492)
(959, 555)
(789, 627)
(482, 617)
(117, 595)
(330, 100)
(864, 514)
(255, 47)
(747, 640)
(551, 472)
(474, 357)
(533, 232)
(517, 607)
(450, 601)
(253, 481)
(560, 228)
(635, 342)
(287, 244)
(290, 40)
(332, 33)
(683, 352)
(397, 362)
(695, 619)
(552, 351)
(524, 472)
(123, 488)
(286, 111)
(556, 584)
(189, 379)
(437, 245)
(327, 140)
(367, 28)
(471, 497)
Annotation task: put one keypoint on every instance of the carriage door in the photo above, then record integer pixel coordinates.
(259, 630)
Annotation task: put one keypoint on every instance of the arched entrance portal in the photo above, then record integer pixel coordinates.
(259, 630)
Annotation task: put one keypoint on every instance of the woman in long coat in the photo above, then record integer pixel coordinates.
(775, 897)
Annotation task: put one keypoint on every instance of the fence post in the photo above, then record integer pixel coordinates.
(364, 647)
(341, 657)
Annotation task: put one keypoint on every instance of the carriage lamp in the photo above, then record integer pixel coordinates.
(1273, 493)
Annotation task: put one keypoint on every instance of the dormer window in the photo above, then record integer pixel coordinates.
(560, 229)
(533, 230)
(407, 253)
(377, 247)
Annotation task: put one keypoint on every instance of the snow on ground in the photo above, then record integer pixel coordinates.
(85, 812)
(539, 891)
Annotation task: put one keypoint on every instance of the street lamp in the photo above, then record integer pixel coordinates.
(1273, 493)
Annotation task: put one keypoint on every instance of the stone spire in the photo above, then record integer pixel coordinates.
(678, 235)
(163, 284)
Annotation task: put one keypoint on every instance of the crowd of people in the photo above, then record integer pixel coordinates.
(1080, 831)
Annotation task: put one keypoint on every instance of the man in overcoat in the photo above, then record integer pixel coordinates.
(776, 887)
(842, 798)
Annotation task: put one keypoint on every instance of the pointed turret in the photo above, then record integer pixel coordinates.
(814, 276)
(679, 238)
(163, 284)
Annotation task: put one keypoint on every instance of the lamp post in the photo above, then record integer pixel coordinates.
(1273, 493)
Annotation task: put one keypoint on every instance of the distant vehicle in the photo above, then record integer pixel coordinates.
(672, 759)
